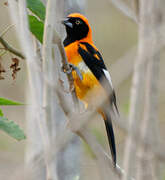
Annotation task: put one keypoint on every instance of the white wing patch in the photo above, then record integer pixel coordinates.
(107, 75)
(83, 67)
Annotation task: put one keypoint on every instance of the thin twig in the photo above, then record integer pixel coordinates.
(3, 53)
(6, 30)
(125, 9)
(11, 49)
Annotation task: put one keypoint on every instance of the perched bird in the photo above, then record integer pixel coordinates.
(94, 79)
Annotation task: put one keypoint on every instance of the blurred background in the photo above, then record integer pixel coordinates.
(115, 36)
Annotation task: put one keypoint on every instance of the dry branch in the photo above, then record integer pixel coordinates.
(79, 127)
(149, 123)
(10, 48)
(129, 57)
(137, 92)
(35, 98)
(146, 53)
(57, 40)
(125, 9)
(47, 98)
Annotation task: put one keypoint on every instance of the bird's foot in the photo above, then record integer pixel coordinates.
(72, 67)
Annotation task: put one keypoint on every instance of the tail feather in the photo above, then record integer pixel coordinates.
(111, 137)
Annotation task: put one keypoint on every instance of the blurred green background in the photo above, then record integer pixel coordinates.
(114, 35)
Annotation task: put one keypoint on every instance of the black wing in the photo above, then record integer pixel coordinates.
(94, 61)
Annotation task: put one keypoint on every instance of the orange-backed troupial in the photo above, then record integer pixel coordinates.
(94, 76)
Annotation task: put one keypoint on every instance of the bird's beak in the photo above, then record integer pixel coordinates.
(67, 23)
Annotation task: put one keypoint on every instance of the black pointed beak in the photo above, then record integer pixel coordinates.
(67, 23)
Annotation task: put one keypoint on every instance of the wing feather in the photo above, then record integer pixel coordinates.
(99, 69)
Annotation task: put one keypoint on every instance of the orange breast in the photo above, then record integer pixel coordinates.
(72, 53)
(89, 83)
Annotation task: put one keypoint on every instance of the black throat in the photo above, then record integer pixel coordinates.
(68, 41)
(76, 32)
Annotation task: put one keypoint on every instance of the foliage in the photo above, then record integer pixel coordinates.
(36, 23)
(36, 27)
(10, 127)
(1, 113)
(37, 7)
(7, 102)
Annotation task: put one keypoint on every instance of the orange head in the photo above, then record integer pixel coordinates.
(77, 28)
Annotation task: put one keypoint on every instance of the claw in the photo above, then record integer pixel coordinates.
(72, 67)
(66, 70)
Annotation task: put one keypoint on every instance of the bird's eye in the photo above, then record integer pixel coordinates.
(77, 22)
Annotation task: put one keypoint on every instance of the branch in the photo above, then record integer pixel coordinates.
(79, 128)
(57, 40)
(11, 49)
(47, 65)
(65, 136)
(127, 11)
(146, 52)
(129, 57)
(35, 75)
(33, 91)
(147, 159)
(135, 6)
(6, 30)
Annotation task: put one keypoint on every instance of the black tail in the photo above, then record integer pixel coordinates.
(111, 137)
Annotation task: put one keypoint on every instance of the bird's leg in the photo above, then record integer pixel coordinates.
(72, 67)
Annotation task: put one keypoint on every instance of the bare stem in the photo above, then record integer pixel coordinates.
(11, 49)
(125, 9)
(6, 30)
(57, 40)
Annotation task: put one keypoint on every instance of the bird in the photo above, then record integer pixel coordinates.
(91, 77)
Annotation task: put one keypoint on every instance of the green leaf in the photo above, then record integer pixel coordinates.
(12, 129)
(7, 102)
(37, 7)
(1, 113)
(36, 27)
